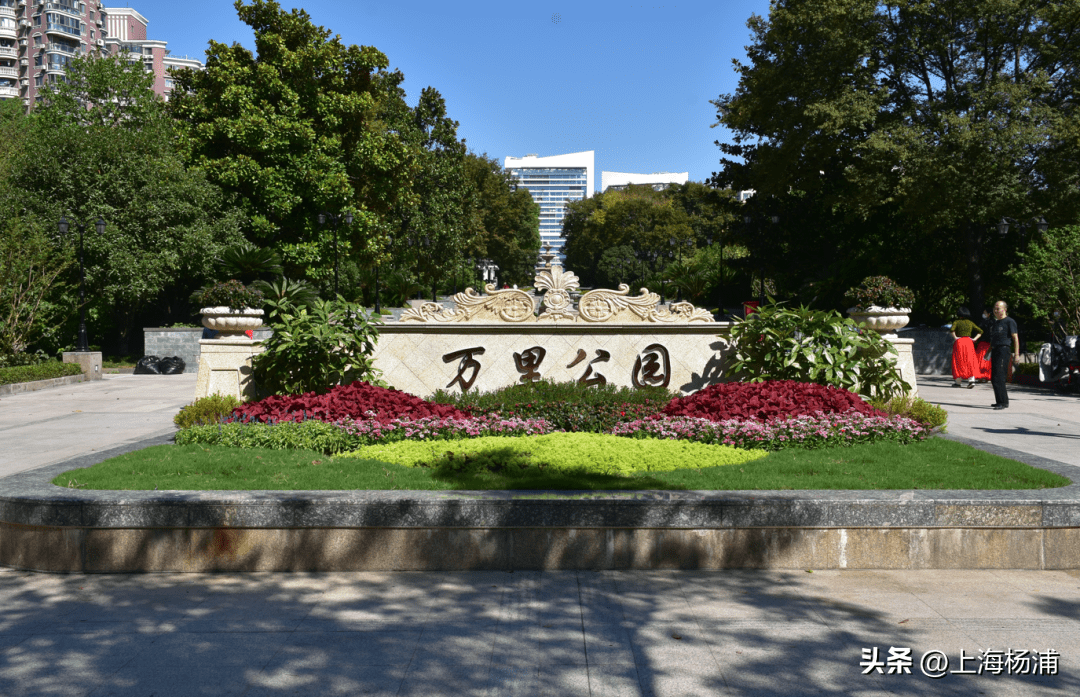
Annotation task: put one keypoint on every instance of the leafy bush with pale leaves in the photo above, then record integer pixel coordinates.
(781, 343)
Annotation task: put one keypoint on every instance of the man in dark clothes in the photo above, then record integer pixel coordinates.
(1003, 337)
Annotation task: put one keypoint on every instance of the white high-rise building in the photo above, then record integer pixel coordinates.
(658, 180)
(553, 181)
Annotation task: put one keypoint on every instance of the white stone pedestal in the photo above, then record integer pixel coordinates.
(905, 361)
(225, 367)
(89, 361)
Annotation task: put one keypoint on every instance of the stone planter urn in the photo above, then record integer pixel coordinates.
(883, 320)
(231, 322)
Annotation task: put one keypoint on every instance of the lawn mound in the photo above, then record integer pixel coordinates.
(590, 453)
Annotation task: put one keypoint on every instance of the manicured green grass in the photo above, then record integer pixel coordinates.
(932, 464)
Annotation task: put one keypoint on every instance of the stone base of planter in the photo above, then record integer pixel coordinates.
(225, 367)
(905, 361)
(89, 361)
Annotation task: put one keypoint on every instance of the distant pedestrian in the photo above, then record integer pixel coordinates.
(965, 364)
(1003, 337)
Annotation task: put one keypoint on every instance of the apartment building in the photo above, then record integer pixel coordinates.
(38, 38)
(553, 181)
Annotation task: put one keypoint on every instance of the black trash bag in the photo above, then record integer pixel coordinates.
(148, 365)
(171, 365)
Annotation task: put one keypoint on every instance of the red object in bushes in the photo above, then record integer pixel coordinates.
(762, 401)
(750, 307)
(360, 401)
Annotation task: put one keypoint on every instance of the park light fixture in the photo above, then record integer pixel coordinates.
(83, 345)
(335, 219)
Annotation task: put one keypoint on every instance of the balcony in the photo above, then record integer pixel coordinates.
(9, 52)
(61, 48)
(7, 12)
(5, 71)
(8, 32)
(9, 92)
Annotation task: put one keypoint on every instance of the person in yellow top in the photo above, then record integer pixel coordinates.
(965, 364)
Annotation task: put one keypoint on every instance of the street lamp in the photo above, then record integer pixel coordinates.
(1041, 225)
(749, 221)
(720, 285)
(64, 226)
(672, 242)
(335, 219)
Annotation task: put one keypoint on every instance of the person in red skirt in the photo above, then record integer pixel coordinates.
(965, 364)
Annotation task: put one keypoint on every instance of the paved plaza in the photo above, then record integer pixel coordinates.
(740, 632)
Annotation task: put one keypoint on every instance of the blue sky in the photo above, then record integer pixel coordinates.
(630, 81)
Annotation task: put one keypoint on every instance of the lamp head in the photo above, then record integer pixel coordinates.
(100, 225)
(1042, 226)
(1003, 227)
(322, 218)
(348, 218)
(63, 225)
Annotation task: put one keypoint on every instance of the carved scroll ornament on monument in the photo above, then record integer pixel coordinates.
(596, 306)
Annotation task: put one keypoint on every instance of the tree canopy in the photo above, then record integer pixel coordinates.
(908, 125)
(508, 219)
(164, 223)
(294, 129)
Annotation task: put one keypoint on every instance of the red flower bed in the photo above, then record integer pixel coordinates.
(356, 401)
(762, 401)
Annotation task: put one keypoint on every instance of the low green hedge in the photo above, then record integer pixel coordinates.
(42, 371)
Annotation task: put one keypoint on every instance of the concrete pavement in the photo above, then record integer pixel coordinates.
(53, 425)
(554, 633)
(1038, 421)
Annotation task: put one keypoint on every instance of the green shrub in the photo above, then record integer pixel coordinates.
(13, 360)
(927, 414)
(287, 435)
(206, 411)
(231, 294)
(316, 347)
(594, 453)
(565, 405)
(1026, 369)
(881, 291)
(780, 343)
(41, 371)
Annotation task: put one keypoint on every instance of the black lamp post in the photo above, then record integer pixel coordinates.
(720, 285)
(1041, 225)
(64, 226)
(335, 219)
(674, 244)
(749, 221)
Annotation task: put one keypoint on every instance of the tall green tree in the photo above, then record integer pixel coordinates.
(432, 227)
(910, 124)
(102, 146)
(508, 219)
(296, 128)
(1048, 279)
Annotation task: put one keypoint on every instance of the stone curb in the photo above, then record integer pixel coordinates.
(34, 386)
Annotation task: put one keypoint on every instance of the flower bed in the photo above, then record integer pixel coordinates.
(767, 400)
(358, 401)
(347, 435)
(771, 415)
(814, 431)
